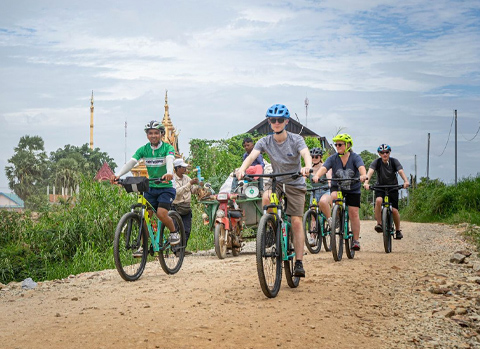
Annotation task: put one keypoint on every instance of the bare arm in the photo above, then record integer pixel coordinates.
(319, 173)
(406, 183)
(369, 175)
(305, 153)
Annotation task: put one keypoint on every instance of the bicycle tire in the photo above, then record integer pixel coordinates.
(310, 217)
(386, 224)
(348, 242)
(337, 233)
(326, 235)
(125, 243)
(219, 241)
(269, 258)
(289, 265)
(171, 257)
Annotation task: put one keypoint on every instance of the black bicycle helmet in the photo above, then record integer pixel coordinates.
(316, 152)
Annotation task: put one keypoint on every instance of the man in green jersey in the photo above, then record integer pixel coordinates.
(158, 157)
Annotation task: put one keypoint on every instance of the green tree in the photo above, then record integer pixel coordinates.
(88, 161)
(28, 169)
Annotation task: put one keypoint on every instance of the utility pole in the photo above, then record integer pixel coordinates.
(455, 146)
(91, 122)
(428, 157)
(125, 141)
(306, 110)
(415, 183)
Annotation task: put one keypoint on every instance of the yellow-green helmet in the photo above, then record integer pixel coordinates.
(344, 137)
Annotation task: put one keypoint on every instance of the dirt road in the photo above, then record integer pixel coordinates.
(413, 297)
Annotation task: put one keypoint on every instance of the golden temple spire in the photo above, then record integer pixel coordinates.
(171, 136)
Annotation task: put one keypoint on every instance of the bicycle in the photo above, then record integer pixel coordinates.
(315, 222)
(340, 229)
(275, 241)
(387, 215)
(133, 232)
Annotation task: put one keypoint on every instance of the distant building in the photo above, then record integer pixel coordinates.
(11, 202)
(263, 128)
(105, 173)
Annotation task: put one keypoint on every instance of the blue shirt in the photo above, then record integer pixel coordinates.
(257, 161)
(350, 170)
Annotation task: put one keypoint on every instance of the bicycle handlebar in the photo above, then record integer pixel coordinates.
(387, 187)
(294, 175)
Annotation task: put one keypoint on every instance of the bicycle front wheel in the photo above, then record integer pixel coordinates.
(337, 233)
(129, 248)
(326, 233)
(348, 241)
(387, 228)
(171, 256)
(289, 264)
(311, 227)
(269, 256)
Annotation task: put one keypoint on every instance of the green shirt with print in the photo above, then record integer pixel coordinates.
(155, 160)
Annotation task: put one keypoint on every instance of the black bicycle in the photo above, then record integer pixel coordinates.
(131, 243)
(275, 241)
(315, 225)
(342, 236)
(388, 224)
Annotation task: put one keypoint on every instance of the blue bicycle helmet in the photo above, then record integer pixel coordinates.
(384, 147)
(278, 111)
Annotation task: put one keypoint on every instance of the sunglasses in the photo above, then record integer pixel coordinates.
(384, 152)
(315, 156)
(276, 120)
(339, 144)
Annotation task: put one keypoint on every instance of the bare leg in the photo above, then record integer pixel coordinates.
(355, 221)
(162, 214)
(298, 237)
(378, 210)
(396, 219)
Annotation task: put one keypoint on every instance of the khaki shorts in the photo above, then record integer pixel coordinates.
(295, 198)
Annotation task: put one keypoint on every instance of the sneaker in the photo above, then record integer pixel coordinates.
(379, 228)
(138, 253)
(174, 238)
(311, 241)
(298, 270)
(356, 245)
(398, 235)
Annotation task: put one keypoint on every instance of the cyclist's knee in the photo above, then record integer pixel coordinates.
(379, 200)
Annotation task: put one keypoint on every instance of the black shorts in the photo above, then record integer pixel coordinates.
(351, 199)
(392, 197)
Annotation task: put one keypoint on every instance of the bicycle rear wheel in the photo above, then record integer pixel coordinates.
(288, 265)
(326, 233)
(387, 229)
(337, 233)
(269, 257)
(311, 228)
(348, 242)
(171, 257)
(127, 241)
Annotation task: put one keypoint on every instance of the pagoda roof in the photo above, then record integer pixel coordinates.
(105, 173)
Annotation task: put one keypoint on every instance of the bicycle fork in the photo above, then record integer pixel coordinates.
(285, 232)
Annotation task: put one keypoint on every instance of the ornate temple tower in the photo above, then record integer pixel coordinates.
(91, 122)
(171, 136)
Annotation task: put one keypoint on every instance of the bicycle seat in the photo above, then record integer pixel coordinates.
(235, 214)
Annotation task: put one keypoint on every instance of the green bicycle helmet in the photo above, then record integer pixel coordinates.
(344, 137)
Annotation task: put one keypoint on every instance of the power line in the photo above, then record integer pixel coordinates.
(449, 132)
(469, 140)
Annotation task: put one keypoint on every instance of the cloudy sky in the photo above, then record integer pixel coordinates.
(383, 71)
